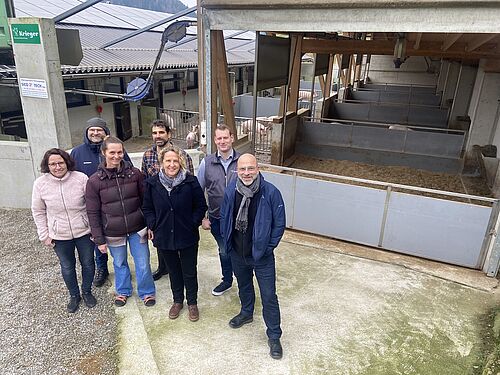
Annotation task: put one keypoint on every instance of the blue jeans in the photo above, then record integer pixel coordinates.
(265, 273)
(140, 253)
(225, 259)
(101, 259)
(65, 250)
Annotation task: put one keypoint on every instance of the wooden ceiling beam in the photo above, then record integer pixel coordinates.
(417, 41)
(383, 47)
(478, 42)
(450, 40)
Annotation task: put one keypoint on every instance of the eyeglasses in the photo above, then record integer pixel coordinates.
(247, 169)
(57, 164)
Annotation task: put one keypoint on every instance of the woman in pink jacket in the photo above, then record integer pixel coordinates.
(58, 207)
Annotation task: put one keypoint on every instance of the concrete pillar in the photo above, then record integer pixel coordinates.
(40, 84)
(463, 94)
(450, 85)
(483, 110)
(443, 73)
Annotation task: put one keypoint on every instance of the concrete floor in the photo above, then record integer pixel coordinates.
(346, 309)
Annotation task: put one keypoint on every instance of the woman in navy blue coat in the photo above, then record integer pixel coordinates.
(174, 206)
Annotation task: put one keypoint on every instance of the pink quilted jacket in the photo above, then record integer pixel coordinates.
(58, 206)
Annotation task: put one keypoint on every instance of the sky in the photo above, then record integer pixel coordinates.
(189, 3)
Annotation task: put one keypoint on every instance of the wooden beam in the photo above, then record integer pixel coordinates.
(213, 89)
(382, 47)
(341, 71)
(450, 40)
(417, 41)
(226, 99)
(296, 61)
(478, 42)
(321, 79)
(329, 76)
(491, 66)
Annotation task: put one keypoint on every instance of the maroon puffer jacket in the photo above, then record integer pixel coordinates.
(114, 200)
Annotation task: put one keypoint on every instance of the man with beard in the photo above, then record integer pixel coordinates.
(87, 157)
(162, 135)
(252, 223)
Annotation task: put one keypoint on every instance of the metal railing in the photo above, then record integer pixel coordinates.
(182, 122)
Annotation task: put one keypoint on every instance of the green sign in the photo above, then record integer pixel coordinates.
(26, 33)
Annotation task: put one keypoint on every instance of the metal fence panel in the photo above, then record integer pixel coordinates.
(347, 212)
(285, 183)
(437, 229)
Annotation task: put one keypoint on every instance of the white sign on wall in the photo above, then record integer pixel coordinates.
(35, 88)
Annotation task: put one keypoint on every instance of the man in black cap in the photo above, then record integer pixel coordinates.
(87, 158)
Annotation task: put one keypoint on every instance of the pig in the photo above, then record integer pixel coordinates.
(169, 120)
(246, 127)
(193, 137)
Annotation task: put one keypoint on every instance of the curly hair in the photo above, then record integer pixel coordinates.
(182, 160)
(44, 165)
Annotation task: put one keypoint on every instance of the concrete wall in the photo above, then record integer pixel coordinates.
(243, 106)
(483, 110)
(413, 71)
(175, 100)
(17, 174)
(463, 95)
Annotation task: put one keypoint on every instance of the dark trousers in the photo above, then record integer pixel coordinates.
(225, 259)
(265, 273)
(65, 250)
(101, 260)
(182, 267)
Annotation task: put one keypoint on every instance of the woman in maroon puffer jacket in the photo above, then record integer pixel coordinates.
(114, 198)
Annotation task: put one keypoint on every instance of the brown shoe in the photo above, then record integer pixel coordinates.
(175, 310)
(194, 314)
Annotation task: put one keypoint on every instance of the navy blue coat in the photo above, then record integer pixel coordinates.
(88, 156)
(269, 224)
(174, 217)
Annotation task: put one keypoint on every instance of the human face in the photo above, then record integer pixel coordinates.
(96, 134)
(160, 136)
(171, 164)
(248, 169)
(113, 155)
(57, 166)
(223, 140)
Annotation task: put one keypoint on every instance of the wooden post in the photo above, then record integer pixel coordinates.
(226, 99)
(296, 60)
(213, 91)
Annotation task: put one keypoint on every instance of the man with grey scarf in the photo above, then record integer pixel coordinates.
(252, 224)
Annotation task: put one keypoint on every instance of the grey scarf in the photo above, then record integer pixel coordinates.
(168, 182)
(247, 192)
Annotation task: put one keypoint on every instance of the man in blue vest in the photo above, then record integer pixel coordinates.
(252, 220)
(216, 171)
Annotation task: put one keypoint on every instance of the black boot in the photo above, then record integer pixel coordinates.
(100, 277)
(162, 267)
(73, 304)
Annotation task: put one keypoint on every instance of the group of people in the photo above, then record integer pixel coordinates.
(96, 201)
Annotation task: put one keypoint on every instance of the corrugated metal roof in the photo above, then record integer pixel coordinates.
(139, 52)
(103, 23)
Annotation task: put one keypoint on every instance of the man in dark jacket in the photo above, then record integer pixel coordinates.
(87, 157)
(252, 224)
